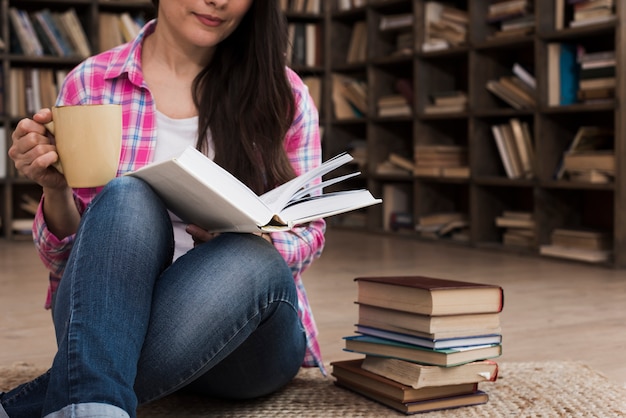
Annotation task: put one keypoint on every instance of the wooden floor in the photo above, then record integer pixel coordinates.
(553, 310)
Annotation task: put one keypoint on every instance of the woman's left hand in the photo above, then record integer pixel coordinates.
(199, 235)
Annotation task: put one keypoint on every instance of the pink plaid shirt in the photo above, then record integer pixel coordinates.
(116, 76)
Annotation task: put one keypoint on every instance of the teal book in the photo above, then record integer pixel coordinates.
(445, 357)
(569, 72)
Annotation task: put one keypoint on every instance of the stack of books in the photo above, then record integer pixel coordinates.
(583, 244)
(445, 26)
(393, 105)
(453, 101)
(597, 76)
(592, 12)
(440, 161)
(590, 156)
(427, 342)
(441, 224)
(512, 17)
(519, 228)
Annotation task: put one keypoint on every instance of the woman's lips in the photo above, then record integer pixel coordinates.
(209, 20)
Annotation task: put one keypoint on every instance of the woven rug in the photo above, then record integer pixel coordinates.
(549, 389)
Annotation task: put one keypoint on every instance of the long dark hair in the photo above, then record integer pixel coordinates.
(245, 98)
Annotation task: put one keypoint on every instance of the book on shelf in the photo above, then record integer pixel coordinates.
(357, 48)
(460, 172)
(439, 219)
(404, 44)
(396, 21)
(395, 201)
(572, 253)
(587, 138)
(598, 83)
(345, 104)
(400, 161)
(351, 372)
(199, 191)
(441, 224)
(511, 18)
(601, 160)
(69, 22)
(444, 26)
(22, 226)
(525, 75)
(563, 73)
(433, 328)
(427, 342)
(522, 92)
(448, 98)
(418, 375)
(394, 111)
(314, 84)
(592, 12)
(429, 296)
(507, 149)
(583, 238)
(50, 34)
(523, 144)
(430, 160)
(445, 357)
(591, 176)
(393, 105)
(24, 31)
(515, 219)
(510, 95)
(518, 237)
(304, 47)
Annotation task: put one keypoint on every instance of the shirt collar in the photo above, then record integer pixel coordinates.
(126, 59)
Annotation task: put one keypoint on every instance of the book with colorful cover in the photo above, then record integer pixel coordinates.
(445, 357)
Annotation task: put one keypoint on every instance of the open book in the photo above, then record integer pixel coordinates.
(200, 192)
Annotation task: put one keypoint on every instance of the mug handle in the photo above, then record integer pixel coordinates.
(50, 127)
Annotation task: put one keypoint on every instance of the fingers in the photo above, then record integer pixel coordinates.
(32, 150)
(199, 235)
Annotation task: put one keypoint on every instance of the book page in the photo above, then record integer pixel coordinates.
(278, 198)
(310, 189)
(325, 205)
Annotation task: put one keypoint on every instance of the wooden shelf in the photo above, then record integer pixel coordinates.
(467, 67)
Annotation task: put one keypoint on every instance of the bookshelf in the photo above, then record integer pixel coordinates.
(17, 194)
(394, 62)
(490, 49)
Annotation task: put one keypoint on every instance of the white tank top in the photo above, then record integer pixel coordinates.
(173, 136)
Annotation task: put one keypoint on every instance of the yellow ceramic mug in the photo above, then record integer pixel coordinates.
(88, 140)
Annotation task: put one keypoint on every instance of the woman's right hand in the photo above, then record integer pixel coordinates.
(33, 152)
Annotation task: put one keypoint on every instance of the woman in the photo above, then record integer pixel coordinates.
(144, 305)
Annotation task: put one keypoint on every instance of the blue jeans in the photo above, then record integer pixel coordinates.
(132, 326)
